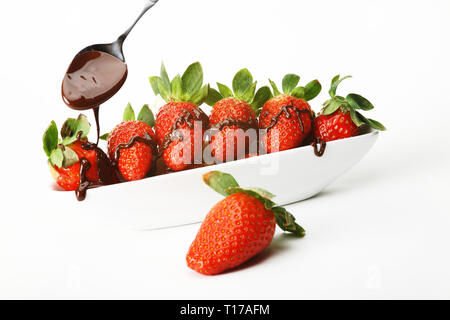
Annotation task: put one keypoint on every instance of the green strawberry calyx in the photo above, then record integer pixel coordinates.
(291, 88)
(226, 185)
(144, 115)
(244, 88)
(58, 149)
(351, 103)
(187, 87)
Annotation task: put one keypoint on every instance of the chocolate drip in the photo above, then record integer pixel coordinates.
(319, 146)
(285, 110)
(104, 170)
(187, 118)
(84, 182)
(244, 125)
(148, 140)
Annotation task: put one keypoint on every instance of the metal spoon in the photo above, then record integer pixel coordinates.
(115, 48)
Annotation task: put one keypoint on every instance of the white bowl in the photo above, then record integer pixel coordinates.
(182, 198)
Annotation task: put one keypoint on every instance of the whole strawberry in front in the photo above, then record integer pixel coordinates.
(237, 228)
(132, 145)
(234, 112)
(287, 117)
(340, 117)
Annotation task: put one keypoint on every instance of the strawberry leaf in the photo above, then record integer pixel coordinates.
(375, 124)
(146, 115)
(357, 118)
(268, 204)
(276, 92)
(154, 82)
(290, 81)
(335, 83)
(224, 90)
(50, 138)
(200, 96)
(331, 106)
(128, 113)
(72, 127)
(56, 157)
(312, 90)
(262, 95)
(298, 92)
(242, 83)
(192, 80)
(213, 97)
(358, 102)
(69, 157)
(286, 221)
(177, 88)
(165, 78)
(249, 95)
(264, 193)
(220, 181)
(162, 89)
(104, 137)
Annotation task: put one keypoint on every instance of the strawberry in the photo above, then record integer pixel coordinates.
(340, 119)
(238, 227)
(288, 118)
(174, 124)
(65, 155)
(132, 145)
(233, 110)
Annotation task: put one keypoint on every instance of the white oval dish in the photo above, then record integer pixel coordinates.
(182, 197)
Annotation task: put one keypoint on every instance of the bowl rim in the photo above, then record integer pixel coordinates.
(234, 162)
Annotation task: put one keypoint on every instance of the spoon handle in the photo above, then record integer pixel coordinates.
(148, 5)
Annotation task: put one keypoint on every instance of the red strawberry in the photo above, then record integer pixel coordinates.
(237, 228)
(65, 154)
(340, 119)
(90, 155)
(288, 117)
(67, 178)
(132, 145)
(233, 111)
(175, 121)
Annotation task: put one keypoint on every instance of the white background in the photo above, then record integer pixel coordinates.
(380, 231)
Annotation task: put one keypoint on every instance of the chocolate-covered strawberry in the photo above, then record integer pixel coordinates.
(287, 117)
(238, 227)
(340, 117)
(233, 113)
(75, 163)
(174, 126)
(132, 145)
